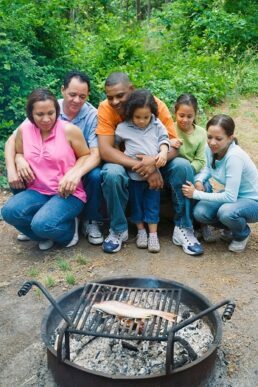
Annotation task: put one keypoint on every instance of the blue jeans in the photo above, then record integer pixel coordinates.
(115, 190)
(92, 185)
(43, 217)
(144, 202)
(233, 216)
(175, 173)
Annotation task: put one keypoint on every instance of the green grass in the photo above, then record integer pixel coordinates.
(81, 260)
(50, 282)
(33, 272)
(70, 279)
(63, 264)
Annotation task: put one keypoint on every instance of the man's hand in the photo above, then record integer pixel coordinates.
(188, 189)
(146, 166)
(14, 181)
(68, 183)
(155, 180)
(25, 173)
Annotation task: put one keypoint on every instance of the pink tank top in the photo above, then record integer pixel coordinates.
(50, 159)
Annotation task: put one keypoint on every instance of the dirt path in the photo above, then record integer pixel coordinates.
(218, 274)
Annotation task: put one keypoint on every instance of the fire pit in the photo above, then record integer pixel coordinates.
(73, 317)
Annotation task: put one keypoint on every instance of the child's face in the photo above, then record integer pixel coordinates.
(142, 117)
(185, 116)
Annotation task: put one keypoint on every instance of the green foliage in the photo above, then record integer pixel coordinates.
(50, 282)
(205, 47)
(70, 279)
(63, 264)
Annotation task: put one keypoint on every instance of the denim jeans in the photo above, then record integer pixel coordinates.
(92, 185)
(144, 202)
(233, 216)
(115, 190)
(175, 173)
(43, 217)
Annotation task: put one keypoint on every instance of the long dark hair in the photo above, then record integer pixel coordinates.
(40, 95)
(227, 124)
(138, 99)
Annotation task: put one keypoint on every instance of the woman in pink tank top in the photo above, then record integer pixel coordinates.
(55, 151)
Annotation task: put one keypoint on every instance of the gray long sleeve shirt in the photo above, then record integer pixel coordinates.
(141, 141)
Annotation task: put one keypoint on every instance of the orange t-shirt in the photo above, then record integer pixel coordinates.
(108, 119)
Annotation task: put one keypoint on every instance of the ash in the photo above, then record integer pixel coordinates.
(136, 357)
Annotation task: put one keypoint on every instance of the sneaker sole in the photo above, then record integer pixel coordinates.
(95, 241)
(189, 252)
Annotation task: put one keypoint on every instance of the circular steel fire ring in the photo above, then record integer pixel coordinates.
(196, 373)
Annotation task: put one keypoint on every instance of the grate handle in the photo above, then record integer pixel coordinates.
(28, 285)
(229, 310)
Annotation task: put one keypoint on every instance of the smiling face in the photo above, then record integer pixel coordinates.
(218, 140)
(117, 96)
(185, 116)
(74, 95)
(44, 115)
(141, 117)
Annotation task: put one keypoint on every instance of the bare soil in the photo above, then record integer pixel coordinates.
(218, 274)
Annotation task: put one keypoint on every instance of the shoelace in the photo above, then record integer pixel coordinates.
(93, 228)
(189, 236)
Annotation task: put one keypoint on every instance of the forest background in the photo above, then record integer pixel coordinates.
(206, 47)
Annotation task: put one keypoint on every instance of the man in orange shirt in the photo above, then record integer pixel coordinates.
(115, 179)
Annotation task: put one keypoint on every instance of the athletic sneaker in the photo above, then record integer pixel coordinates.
(238, 246)
(226, 235)
(142, 240)
(22, 237)
(113, 243)
(92, 230)
(45, 245)
(75, 239)
(153, 243)
(185, 237)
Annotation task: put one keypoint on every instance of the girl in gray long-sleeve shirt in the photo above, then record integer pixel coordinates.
(143, 133)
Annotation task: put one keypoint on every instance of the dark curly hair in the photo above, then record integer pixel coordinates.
(138, 99)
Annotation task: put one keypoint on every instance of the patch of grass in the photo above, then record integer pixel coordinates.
(81, 260)
(49, 282)
(38, 292)
(63, 264)
(70, 279)
(33, 272)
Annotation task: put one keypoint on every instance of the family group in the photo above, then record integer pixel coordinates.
(68, 160)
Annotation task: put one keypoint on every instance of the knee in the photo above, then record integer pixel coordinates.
(181, 170)
(41, 226)
(114, 175)
(200, 212)
(224, 212)
(93, 176)
(10, 212)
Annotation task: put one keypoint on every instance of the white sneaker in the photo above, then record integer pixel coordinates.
(153, 244)
(45, 245)
(22, 237)
(208, 233)
(92, 230)
(113, 243)
(75, 239)
(238, 246)
(185, 237)
(142, 240)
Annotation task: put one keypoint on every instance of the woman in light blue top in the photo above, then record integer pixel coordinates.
(236, 203)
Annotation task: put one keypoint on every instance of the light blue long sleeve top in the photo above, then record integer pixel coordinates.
(236, 171)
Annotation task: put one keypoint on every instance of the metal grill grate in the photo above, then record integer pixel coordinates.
(86, 321)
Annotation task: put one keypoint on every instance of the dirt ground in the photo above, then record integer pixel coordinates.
(218, 274)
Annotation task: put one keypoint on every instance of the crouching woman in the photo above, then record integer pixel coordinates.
(236, 204)
(56, 151)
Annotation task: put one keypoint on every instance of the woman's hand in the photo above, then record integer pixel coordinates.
(188, 189)
(68, 183)
(24, 170)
